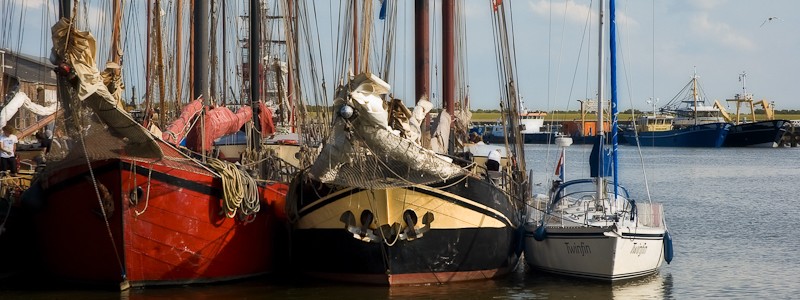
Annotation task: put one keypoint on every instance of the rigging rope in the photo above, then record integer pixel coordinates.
(240, 191)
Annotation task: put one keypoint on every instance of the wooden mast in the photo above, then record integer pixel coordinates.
(255, 67)
(224, 56)
(178, 58)
(200, 46)
(147, 69)
(291, 61)
(422, 62)
(448, 54)
(162, 113)
(355, 37)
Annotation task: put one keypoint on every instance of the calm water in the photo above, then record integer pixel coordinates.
(731, 212)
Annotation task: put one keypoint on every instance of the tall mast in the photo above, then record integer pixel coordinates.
(147, 68)
(600, 91)
(160, 67)
(200, 30)
(224, 55)
(178, 53)
(422, 60)
(694, 94)
(612, 16)
(355, 37)
(293, 58)
(116, 50)
(448, 54)
(255, 67)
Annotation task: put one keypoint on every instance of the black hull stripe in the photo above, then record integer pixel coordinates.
(155, 176)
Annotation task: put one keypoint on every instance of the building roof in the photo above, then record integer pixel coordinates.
(28, 68)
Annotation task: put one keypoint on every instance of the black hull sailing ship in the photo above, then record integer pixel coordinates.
(379, 206)
(454, 230)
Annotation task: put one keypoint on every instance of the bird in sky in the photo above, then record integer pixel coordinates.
(770, 19)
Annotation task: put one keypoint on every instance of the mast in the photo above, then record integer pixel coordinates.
(448, 65)
(613, 80)
(355, 37)
(178, 52)
(292, 59)
(422, 61)
(600, 76)
(200, 46)
(162, 114)
(694, 94)
(148, 70)
(116, 51)
(224, 56)
(255, 63)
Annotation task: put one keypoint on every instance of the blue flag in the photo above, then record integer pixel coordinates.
(382, 14)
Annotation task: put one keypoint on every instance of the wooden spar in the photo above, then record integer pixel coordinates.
(422, 62)
(224, 56)
(116, 50)
(162, 113)
(147, 68)
(448, 54)
(255, 67)
(178, 53)
(200, 46)
(213, 59)
(192, 96)
(421, 49)
(290, 92)
(355, 37)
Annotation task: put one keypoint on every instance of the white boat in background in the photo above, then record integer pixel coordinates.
(591, 228)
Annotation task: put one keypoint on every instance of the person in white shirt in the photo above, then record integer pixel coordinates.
(493, 161)
(8, 150)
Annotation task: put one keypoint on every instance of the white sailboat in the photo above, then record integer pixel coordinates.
(591, 227)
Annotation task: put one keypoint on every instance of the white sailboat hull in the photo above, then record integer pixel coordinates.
(596, 253)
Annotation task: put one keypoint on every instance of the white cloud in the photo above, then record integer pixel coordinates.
(34, 3)
(719, 32)
(575, 13)
(705, 5)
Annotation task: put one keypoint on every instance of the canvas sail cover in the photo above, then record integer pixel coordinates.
(364, 151)
(265, 119)
(21, 99)
(218, 122)
(177, 130)
(78, 49)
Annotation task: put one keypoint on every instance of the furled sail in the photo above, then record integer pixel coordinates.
(77, 49)
(364, 151)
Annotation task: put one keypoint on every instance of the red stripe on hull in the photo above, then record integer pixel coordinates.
(179, 235)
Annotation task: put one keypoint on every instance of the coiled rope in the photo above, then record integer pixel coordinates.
(240, 191)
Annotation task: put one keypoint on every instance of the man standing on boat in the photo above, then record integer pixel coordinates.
(493, 162)
(8, 149)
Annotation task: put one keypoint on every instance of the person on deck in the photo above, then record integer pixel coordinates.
(45, 138)
(8, 149)
(493, 161)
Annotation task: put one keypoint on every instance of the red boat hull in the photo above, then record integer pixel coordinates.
(177, 234)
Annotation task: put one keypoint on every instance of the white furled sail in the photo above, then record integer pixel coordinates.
(364, 151)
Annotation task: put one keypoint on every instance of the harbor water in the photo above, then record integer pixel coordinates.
(732, 213)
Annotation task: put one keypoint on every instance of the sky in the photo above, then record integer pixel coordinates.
(661, 45)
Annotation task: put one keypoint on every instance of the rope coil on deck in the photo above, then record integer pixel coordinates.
(240, 191)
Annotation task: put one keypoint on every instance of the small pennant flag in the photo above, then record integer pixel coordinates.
(496, 3)
(560, 167)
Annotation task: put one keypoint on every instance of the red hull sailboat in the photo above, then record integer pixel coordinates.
(124, 206)
(155, 223)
